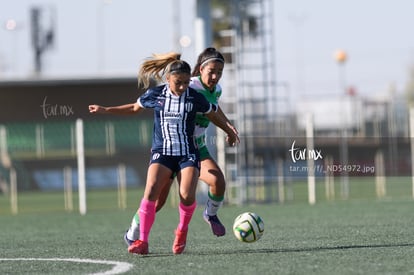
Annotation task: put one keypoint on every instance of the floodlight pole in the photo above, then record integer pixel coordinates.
(341, 58)
(41, 39)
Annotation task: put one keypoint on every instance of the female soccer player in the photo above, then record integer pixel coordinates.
(206, 75)
(173, 150)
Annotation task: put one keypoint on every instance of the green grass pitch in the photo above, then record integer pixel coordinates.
(357, 236)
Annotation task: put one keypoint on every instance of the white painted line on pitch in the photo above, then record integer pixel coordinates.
(118, 267)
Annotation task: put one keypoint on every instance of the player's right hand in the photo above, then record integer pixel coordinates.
(95, 109)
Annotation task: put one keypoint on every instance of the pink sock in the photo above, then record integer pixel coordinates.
(186, 213)
(146, 217)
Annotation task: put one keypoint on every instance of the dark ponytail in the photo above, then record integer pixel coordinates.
(208, 55)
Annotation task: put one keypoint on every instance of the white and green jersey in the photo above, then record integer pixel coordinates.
(202, 121)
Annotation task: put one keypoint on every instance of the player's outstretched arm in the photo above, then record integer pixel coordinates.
(131, 108)
(221, 121)
(224, 117)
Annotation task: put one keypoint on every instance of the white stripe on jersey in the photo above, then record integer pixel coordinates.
(173, 126)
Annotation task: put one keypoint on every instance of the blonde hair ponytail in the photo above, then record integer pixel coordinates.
(156, 67)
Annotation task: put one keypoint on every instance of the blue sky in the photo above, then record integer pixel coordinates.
(92, 36)
(375, 34)
(110, 38)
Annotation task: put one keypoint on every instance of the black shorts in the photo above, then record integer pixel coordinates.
(176, 163)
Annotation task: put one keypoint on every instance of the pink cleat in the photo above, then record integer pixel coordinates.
(179, 241)
(138, 247)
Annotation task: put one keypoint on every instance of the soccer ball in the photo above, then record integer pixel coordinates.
(248, 227)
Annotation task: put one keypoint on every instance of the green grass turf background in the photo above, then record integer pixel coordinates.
(362, 235)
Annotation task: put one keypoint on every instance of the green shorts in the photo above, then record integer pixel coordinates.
(204, 153)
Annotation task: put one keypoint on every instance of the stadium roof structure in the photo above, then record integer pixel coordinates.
(28, 99)
(35, 81)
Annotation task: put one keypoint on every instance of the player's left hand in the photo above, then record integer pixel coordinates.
(233, 138)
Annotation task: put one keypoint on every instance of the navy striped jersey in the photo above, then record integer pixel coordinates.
(174, 119)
